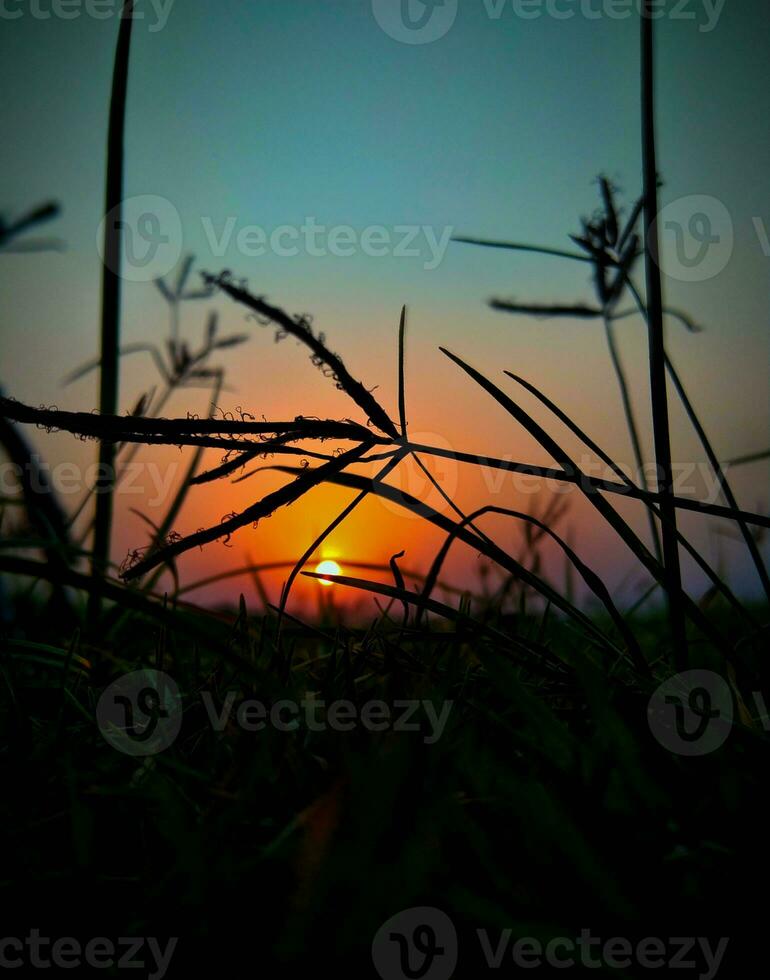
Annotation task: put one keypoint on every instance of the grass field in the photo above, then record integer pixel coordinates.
(547, 805)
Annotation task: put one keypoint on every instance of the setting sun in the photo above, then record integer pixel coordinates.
(328, 567)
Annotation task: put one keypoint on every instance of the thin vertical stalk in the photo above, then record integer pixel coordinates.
(657, 353)
(633, 431)
(716, 466)
(110, 328)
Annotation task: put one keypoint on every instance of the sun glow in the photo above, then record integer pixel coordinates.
(330, 568)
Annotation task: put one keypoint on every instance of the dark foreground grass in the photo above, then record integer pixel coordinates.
(546, 805)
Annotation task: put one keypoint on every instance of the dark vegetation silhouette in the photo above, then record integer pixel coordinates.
(546, 803)
(110, 326)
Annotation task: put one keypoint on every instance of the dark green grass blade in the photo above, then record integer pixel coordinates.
(520, 247)
(575, 311)
(263, 508)
(710, 454)
(595, 483)
(608, 461)
(389, 466)
(196, 627)
(721, 477)
(487, 548)
(591, 579)
(271, 566)
(751, 458)
(431, 605)
(600, 504)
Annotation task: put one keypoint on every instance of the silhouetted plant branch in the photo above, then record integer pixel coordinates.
(245, 439)
(301, 328)
(11, 230)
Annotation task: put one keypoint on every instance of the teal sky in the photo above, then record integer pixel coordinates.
(269, 113)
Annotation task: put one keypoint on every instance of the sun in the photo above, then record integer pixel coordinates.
(330, 568)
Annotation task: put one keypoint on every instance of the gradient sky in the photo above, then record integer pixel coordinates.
(269, 113)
